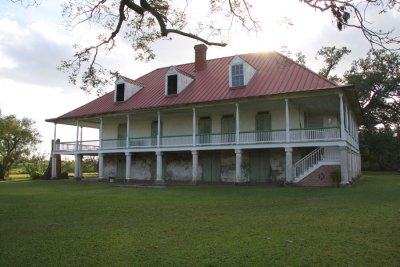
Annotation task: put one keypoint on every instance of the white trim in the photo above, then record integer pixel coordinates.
(237, 124)
(341, 107)
(194, 126)
(287, 122)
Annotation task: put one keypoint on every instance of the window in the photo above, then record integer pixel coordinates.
(237, 75)
(120, 92)
(172, 88)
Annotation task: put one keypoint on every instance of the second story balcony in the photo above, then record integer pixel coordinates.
(260, 138)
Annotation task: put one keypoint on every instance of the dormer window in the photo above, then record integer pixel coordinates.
(120, 92)
(237, 75)
(125, 88)
(172, 87)
(176, 81)
(240, 72)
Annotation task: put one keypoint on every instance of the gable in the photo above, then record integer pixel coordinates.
(125, 88)
(176, 81)
(240, 72)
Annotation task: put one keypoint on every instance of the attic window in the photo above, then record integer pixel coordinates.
(120, 93)
(172, 88)
(237, 75)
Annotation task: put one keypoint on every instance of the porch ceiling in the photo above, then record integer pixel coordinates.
(327, 103)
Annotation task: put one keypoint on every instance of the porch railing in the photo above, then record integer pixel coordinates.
(258, 137)
(82, 145)
(326, 133)
(316, 156)
(249, 137)
(306, 163)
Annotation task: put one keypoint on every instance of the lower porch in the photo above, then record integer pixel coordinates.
(240, 166)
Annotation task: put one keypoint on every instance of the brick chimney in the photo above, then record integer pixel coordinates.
(200, 57)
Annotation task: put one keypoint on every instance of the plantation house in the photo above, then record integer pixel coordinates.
(255, 118)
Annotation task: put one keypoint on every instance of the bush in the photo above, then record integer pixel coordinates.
(336, 177)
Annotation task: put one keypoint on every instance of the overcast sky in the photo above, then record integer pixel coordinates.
(33, 42)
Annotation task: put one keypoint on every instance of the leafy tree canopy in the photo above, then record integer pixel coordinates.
(17, 140)
(331, 56)
(142, 22)
(376, 79)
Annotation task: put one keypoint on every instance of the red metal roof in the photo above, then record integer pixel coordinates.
(275, 74)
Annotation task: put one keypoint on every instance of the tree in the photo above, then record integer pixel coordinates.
(35, 165)
(145, 21)
(380, 149)
(17, 137)
(376, 79)
(332, 56)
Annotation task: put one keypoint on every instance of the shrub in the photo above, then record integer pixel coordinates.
(336, 177)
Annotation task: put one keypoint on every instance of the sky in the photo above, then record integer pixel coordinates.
(34, 40)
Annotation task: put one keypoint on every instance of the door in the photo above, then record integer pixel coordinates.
(204, 126)
(228, 129)
(121, 135)
(260, 166)
(263, 126)
(154, 130)
(121, 168)
(210, 164)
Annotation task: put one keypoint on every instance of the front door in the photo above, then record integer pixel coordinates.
(210, 164)
(260, 166)
(121, 167)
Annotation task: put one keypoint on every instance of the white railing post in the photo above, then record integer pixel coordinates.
(194, 130)
(237, 124)
(77, 136)
(287, 123)
(158, 128)
(101, 133)
(128, 129)
(342, 130)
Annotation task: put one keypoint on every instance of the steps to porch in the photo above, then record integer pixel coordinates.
(320, 156)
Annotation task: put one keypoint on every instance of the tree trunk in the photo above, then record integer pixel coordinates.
(3, 174)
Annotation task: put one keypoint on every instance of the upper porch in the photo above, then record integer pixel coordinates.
(316, 120)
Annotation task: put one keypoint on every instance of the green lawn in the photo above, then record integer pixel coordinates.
(68, 223)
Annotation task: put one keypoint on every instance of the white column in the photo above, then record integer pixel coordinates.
(77, 136)
(53, 166)
(343, 166)
(289, 164)
(159, 175)
(342, 130)
(158, 128)
(194, 128)
(101, 133)
(238, 170)
(78, 166)
(55, 137)
(287, 122)
(128, 166)
(346, 109)
(350, 164)
(128, 129)
(101, 166)
(81, 139)
(53, 156)
(195, 166)
(237, 124)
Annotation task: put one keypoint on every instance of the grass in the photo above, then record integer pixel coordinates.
(52, 223)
